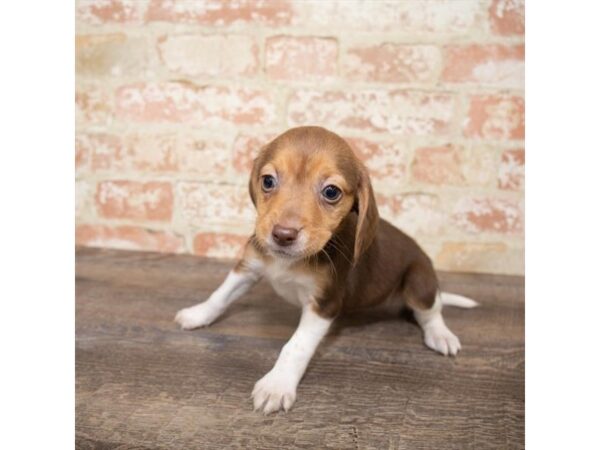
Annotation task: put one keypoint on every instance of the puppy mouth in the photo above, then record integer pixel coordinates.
(291, 252)
(284, 253)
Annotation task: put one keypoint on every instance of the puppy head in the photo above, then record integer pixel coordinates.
(303, 184)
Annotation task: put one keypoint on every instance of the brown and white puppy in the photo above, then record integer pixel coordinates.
(321, 244)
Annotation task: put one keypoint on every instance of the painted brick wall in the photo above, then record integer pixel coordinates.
(173, 99)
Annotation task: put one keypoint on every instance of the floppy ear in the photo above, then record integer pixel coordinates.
(257, 163)
(264, 154)
(368, 216)
(252, 182)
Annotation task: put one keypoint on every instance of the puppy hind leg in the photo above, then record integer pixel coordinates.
(420, 290)
(436, 334)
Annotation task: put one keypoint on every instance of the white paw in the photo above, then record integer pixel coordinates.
(196, 316)
(439, 338)
(273, 392)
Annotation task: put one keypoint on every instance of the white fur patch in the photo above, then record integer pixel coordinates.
(235, 285)
(277, 389)
(436, 334)
(438, 337)
(293, 287)
(459, 301)
(273, 392)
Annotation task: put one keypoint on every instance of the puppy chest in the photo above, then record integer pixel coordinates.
(294, 287)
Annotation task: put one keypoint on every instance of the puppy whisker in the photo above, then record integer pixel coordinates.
(335, 246)
(331, 262)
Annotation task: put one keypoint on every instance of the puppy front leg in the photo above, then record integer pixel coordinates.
(237, 283)
(277, 389)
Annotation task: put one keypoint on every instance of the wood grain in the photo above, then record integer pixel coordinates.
(143, 383)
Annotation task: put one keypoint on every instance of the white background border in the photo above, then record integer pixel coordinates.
(37, 224)
(562, 224)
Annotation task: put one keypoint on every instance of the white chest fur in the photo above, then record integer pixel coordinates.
(296, 288)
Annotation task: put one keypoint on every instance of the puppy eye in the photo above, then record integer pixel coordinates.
(331, 193)
(268, 183)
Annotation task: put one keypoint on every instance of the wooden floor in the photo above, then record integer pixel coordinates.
(143, 383)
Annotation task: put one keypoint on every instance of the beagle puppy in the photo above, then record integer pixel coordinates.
(320, 242)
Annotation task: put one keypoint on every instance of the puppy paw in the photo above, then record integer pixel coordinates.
(196, 316)
(273, 392)
(442, 340)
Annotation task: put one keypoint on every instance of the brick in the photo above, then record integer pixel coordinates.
(453, 165)
(511, 174)
(431, 17)
(102, 149)
(129, 238)
(479, 165)
(246, 148)
(111, 55)
(478, 215)
(150, 153)
(82, 156)
(437, 165)
(199, 204)
(221, 12)
(84, 199)
(398, 111)
(185, 102)
(219, 245)
(392, 63)
(299, 58)
(209, 55)
(207, 157)
(507, 17)
(156, 153)
(123, 199)
(497, 65)
(98, 12)
(482, 257)
(386, 161)
(496, 117)
(414, 213)
(93, 105)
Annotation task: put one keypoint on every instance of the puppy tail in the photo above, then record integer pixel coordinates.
(449, 299)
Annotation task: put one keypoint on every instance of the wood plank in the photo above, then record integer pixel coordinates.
(143, 383)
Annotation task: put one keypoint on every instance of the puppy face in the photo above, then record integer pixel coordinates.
(303, 184)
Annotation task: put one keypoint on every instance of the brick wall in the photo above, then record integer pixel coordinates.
(173, 99)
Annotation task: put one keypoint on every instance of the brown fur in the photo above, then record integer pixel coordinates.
(357, 259)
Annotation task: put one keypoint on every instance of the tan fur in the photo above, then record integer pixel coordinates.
(294, 205)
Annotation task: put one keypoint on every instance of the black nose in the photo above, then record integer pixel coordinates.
(284, 236)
